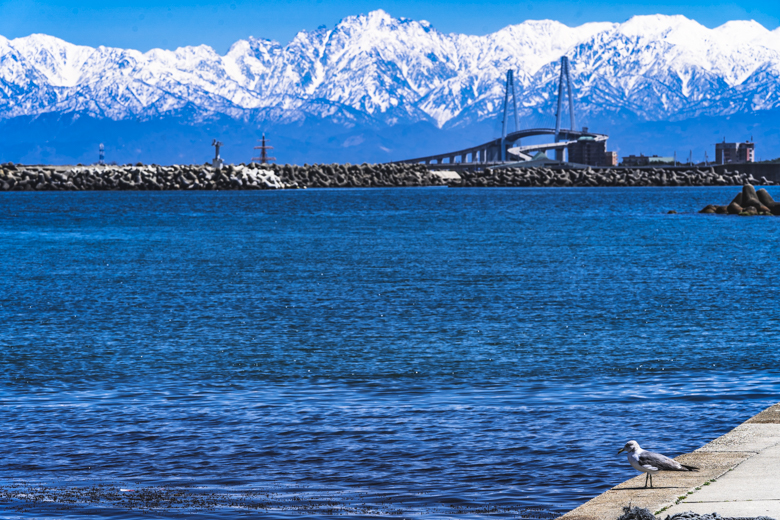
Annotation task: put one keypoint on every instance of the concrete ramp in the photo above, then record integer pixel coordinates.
(739, 477)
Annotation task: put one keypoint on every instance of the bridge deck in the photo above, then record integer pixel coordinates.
(482, 149)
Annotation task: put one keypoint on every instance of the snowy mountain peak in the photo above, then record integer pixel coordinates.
(375, 67)
(743, 27)
(740, 33)
(676, 29)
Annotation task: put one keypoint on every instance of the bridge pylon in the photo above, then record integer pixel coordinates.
(496, 150)
(510, 87)
(565, 76)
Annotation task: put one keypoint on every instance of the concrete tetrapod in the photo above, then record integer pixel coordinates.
(747, 203)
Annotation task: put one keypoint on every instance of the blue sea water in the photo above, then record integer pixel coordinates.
(419, 353)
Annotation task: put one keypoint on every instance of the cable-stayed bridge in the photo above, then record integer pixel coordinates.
(582, 146)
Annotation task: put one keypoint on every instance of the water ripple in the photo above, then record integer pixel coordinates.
(438, 353)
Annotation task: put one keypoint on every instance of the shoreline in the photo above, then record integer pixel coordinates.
(253, 176)
(677, 492)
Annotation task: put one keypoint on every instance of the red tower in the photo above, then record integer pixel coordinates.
(263, 153)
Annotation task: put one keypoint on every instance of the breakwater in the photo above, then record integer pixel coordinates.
(17, 177)
(200, 177)
(541, 177)
(747, 203)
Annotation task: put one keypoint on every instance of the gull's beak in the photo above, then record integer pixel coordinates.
(621, 450)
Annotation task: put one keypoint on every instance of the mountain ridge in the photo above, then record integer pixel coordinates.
(374, 71)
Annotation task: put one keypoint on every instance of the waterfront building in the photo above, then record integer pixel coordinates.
(644, 160)
(734, 152)
(610, 159)
(588, 150)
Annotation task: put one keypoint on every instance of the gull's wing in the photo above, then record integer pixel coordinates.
(659, 462)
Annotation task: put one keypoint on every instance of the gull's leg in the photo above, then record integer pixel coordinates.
(646, 475)
(651, 480)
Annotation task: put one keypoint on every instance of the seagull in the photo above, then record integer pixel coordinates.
(651, 463)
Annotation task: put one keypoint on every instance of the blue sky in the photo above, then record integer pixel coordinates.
(148, 24)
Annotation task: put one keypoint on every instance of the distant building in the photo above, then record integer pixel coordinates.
(734, 152)
(610, 159)
(587, 150)
(644, 160)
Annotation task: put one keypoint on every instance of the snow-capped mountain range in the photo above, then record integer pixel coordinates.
(378, 68)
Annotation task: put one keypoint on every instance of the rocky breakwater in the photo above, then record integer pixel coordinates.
(358, 176)
(253, 176)
(541, 177)
(16, 177)
(747, 203)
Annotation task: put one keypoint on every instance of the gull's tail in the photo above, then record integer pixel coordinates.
(690, 468)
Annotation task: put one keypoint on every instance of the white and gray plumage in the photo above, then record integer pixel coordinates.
(651, 463)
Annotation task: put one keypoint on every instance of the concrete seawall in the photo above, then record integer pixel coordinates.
(738, 478)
